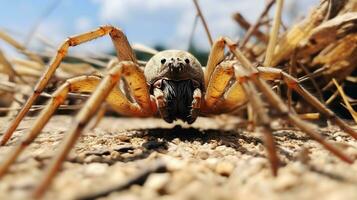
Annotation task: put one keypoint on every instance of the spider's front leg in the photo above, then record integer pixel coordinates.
(275, 101)
(116, 99)
(223, 93)
(131, 72)
(247, 80)
(219, 99)
(124, 52)
(268, 73)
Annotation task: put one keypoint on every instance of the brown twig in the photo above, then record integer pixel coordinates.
(314, 83)
(255, 27)
(194, 26)
(246, 25)
(292, 68)
(199, 13)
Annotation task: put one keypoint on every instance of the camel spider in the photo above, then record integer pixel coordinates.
(173, 85)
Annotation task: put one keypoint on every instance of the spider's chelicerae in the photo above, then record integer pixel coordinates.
(173, 85)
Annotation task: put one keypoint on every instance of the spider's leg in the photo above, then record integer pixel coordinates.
(121, 44)
(138, 87)
(216, 81)
(263, 120)
(232, 98)
(217, 84)
(56, 100)
(276, 102)
(272, 73)
(221, 96)
(216, 56)
(222, 74)
(79, 84)
(98, 117)
(91, 106)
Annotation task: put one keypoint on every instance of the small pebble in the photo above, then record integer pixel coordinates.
(224, 168)
(123, 148)
(95, 169)
(157, 181)
(124, 138)
(153, 144)
(92, 158)
(285, 182)
(203, 155)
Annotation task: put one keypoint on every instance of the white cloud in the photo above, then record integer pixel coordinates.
(125, 9)
(217, 13)
(83, 24)
(219, 19)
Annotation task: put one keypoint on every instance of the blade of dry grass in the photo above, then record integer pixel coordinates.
(11, 41)
(274, 34)
(144, 48)
(345, 99)
(53, 5)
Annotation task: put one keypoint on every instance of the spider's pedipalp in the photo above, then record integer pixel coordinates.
(176, 100)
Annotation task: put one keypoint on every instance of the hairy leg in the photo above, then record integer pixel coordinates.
(275, 101)
(122, 47)
(82, 118)
(223, 93)
(86, 84)
(268, 73)
(215, 57)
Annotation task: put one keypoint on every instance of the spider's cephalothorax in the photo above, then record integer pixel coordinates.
(173, 76)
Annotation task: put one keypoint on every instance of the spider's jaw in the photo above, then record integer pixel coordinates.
(176, 69)
(176, 66)
(178, 97)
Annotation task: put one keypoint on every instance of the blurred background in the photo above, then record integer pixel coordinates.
(164, 23)
(31, 32)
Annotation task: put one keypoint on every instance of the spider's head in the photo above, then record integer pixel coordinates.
(177, 74)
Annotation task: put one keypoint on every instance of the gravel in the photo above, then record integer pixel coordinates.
(149, 159)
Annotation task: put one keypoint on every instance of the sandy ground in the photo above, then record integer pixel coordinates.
(149, 159)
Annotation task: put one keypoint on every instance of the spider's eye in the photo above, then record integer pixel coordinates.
(163, 61)
(187, 61)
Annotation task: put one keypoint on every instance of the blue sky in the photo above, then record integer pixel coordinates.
(148, 22)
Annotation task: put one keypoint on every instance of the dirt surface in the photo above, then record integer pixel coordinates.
(149, 159)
